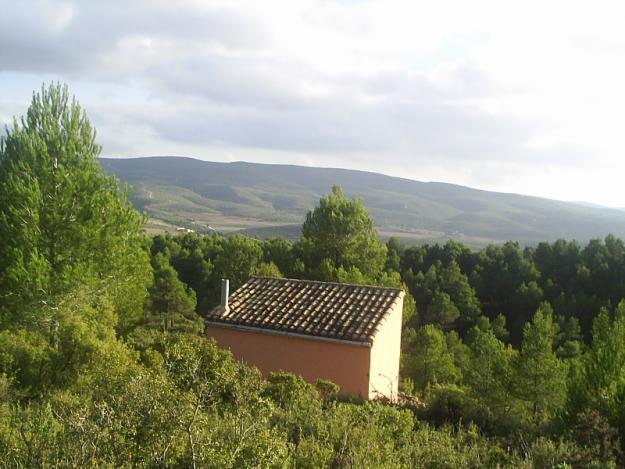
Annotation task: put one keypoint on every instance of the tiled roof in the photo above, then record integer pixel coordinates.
(319, 309)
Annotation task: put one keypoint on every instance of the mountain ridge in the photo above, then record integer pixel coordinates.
(255, 196)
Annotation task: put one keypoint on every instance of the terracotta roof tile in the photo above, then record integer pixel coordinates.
(322, 309)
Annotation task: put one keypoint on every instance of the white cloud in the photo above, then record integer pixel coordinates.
(522, 97)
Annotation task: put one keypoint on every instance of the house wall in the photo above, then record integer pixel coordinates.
(345, 364)
(385, 355)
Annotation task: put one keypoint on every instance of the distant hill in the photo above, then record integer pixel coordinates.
(265, 200)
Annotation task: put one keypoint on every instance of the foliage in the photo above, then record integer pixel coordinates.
(171, 304)
(493, 374)
(427, 360)
(489, 376)
(598, 383)
(540, 375)
(340, 233)
(64, 222)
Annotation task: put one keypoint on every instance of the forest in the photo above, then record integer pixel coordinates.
(511, 356)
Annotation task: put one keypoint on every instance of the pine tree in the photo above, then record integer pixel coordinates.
(540, 374)
(340, 233)
(63, 222)
(489, 371)
(428, 361)
(442, 311)
(598, 383)
(171, 302)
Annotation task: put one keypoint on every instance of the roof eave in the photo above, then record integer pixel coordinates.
(261, 330)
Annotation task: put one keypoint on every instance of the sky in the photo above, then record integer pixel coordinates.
(524, 97)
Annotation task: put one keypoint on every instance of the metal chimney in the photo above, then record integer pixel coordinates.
(225, 293)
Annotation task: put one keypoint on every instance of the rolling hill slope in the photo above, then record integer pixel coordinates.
(265, 199)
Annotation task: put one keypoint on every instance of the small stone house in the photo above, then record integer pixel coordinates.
(350, 334)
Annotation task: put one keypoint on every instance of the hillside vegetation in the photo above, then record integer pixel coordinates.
(511, 357)
(269, 200)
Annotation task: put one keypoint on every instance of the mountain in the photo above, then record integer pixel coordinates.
(264, 200)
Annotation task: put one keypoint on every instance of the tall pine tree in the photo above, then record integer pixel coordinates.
(540, 374)
(63, 222)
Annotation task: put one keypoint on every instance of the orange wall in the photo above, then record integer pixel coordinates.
(347, 365)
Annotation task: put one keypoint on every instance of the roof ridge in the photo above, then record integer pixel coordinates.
(380, 287)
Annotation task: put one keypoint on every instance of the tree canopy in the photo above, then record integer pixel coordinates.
(511, 356)
(340, 233)
(63, 222)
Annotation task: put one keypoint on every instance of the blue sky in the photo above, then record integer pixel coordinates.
(520, 97)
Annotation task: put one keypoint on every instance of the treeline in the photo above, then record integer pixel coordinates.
(511, 357)
(576, 281)
(452, 286)
(553, 373)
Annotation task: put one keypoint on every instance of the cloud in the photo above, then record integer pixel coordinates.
(88, 37)
(476, 93)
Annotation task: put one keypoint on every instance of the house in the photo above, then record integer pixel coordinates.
(350, 334)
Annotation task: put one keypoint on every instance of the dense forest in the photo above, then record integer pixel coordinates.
(511, 356)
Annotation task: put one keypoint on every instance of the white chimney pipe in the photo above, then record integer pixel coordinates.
(225, 293)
